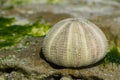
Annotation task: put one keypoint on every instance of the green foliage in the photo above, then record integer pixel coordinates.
(113, 55)
(11, 34)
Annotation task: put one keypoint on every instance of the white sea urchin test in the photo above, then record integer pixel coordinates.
(74, 42)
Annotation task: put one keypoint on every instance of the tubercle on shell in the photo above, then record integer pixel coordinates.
(74, 42)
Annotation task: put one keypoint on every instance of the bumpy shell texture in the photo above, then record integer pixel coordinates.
(74, 42)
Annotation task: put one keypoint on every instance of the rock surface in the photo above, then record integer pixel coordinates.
(28, 63)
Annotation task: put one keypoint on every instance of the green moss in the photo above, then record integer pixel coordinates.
(113, 55)
(12, 34)
(6, 21)
(53, 1)
(38, 29)
(118, 1)
(14, 2)
(20, 2)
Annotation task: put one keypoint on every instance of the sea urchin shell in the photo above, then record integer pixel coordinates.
(74, 42)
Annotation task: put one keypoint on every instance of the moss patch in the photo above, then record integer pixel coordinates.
(53, 1)
(20, 2)
(113, 55)
(11, 34)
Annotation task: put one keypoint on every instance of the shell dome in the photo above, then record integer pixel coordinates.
(74, 42)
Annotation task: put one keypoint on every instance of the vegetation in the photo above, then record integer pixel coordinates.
(113, 54)
(11, 34)
(54, 1)
(20, 2)
(11, 4)
(118, 1)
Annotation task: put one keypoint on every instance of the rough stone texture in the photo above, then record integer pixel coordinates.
(26, 63)
(66, 78)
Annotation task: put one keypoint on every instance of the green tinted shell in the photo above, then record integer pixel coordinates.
(74, 42)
